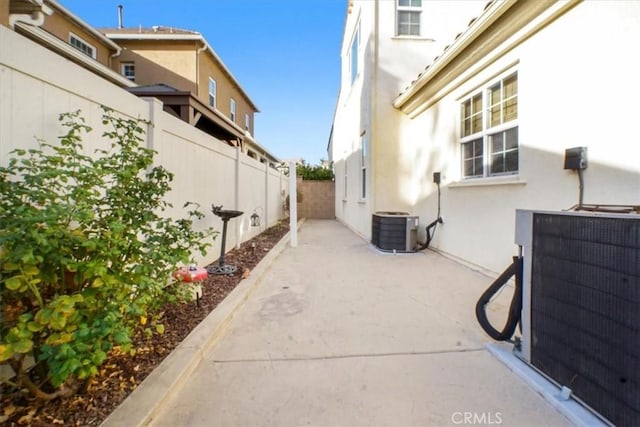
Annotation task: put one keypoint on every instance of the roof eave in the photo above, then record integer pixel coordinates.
(77, 20)
(490, 15)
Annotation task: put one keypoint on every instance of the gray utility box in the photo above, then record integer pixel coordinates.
(394, 231)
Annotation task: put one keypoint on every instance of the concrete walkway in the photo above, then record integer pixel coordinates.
(339, 334)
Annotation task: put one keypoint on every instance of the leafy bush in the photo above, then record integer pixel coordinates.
(85, 254)
(314, 172)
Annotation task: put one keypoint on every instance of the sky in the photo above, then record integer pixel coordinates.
(284, 53)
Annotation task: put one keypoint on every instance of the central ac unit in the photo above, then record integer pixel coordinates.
(394, 231)
(581, 306)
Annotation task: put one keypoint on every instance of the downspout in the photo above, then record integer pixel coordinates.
(198, 52)
(114, 55)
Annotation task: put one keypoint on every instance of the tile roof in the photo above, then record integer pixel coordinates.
(154, 88)
(156, 29)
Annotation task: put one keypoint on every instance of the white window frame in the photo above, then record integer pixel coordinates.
(246, 121)
(232, 110)
(128, 70)
(354, 55)
(83, 46)
(213, 89)
(412, 10)
(480, 140)
(364, 154)
(345, 190)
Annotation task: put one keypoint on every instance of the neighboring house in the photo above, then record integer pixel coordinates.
(385, 44)
(495, 112)
(49, 24)
(176, 66)
(170, 64)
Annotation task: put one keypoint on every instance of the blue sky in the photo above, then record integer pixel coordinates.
(284, 53)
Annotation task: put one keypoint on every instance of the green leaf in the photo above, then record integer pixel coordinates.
(34, 326)
(22, 346)
(160, 328)
(6, 352)
(13, 283)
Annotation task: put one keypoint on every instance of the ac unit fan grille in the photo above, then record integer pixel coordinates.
(585, 310)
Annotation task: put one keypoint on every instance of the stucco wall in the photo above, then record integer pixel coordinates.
(174, 64)
(37, 85)
(318, 199)
(226, 90)
(4, 13)
(387, 65)
(557, 109)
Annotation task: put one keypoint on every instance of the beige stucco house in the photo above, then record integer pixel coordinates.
(176, 66)
(170, 63)
(494, 114)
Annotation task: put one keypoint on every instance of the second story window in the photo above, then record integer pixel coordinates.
(212, 92)
(355, 44)
(409, 15)
(129, 70)
(82, 46)
(246, 121)
(232, 109)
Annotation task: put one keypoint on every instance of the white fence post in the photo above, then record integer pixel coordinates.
(237, 194)
(293, 206)
(266, 194)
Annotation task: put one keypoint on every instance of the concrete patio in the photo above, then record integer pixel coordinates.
(337, 333)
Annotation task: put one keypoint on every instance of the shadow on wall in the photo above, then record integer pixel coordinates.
(479, 220)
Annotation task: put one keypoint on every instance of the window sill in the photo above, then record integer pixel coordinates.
(362, 201)
(488, 182)
(415, 38)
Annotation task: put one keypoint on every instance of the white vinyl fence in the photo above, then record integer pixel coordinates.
(36, 85)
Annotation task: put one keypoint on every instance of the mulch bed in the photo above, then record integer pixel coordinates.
(121, 374)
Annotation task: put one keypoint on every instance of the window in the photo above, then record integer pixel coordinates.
(212, 92)
(409, 17)
(128, 70)
(489, 130)
(232, 108)
(355, 45)
(346, 179)
(82, 46)
(363, 165)
(246, 121)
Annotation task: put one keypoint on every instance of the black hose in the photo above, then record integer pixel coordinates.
(516, 303)
(431, 228)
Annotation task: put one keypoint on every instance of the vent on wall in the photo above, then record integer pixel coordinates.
(581, 308)
(394, 231)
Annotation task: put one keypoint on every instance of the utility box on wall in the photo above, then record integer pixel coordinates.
(394, 231)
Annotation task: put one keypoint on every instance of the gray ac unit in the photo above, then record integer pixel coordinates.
(394, 231)
(581, 306)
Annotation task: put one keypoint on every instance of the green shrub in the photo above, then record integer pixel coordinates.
(85, 253)
(314, 172)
